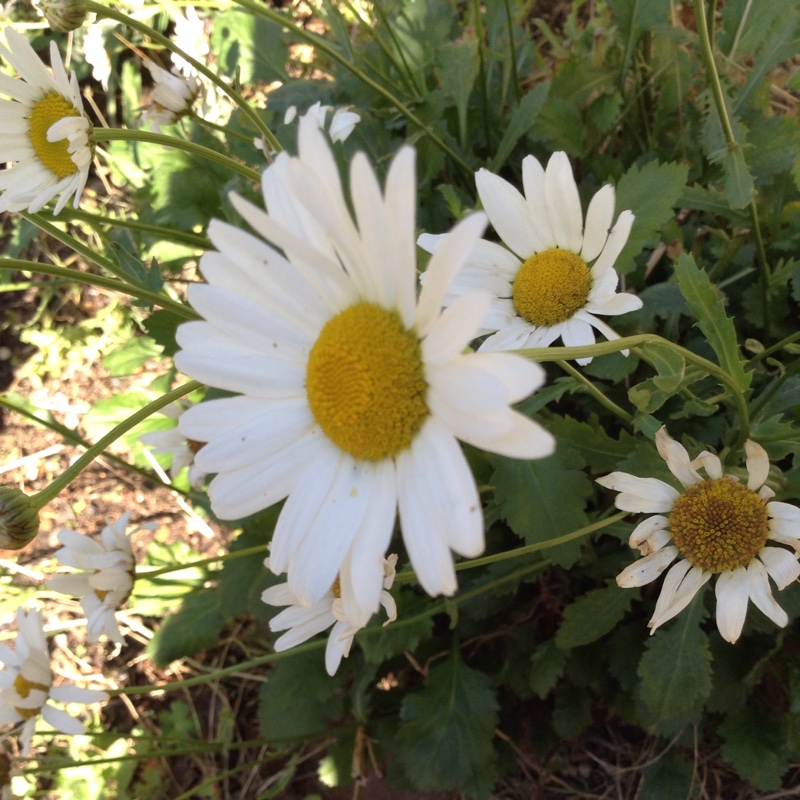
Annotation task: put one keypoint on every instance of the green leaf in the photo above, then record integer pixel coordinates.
(650, 193)
(633, 18)
(128, 357)
(670, 777)
(669, 364)
(162, 326)
(705, 303)
(522, 119)
(299, 698)
(754, 744)
(594, 615)
(675, 671)
(547, 666)
(739, 184)
(250, 46)
(779, 438)
(698, 198)
(544, 499)
(445, 737)
(194, 627)
(457, 69)
(572, 713)
(600, 451)
(401, 635)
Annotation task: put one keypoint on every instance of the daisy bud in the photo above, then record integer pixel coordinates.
(64, 15)
(19, 518)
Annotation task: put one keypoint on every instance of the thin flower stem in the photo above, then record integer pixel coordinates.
(73, 275)
(72, 472)
(167, 234)
(595, 392)
(632, 342)
(320, 44)
(776, 347)
(129, 135)
(107, 12)
(512, 46)
(247, 551)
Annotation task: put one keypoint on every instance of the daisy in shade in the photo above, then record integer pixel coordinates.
(716, 526)
(352, 392)
(44, 131)
(106, 577)
(301, 623)
(172, 96)
(552, 275)
(26, 683)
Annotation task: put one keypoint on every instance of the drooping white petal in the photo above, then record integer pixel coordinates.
(680, 586)
(757, 464)
(645, 530)
(710, 463)
(649, 495)
(733, 592)
(647, 569)
(674, 453)
(782, 565)
(761, 594)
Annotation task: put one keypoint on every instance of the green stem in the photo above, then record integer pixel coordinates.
(73, 275)
(72, 472)
(513, 48)
(320, 44)
(763, 268)
(595, 392)
(167, 234)
(103, 11)
(776, 347)
(247, 551)
(129, 135)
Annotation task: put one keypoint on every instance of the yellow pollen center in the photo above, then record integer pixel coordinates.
(337, 588)
(366, 382)
(719, 524)
(551, 286)
(54, 155)
(23, 688)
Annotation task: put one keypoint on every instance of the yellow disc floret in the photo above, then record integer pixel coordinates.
(54, 155)
(366, 382)
(719, 524)
(551, 286)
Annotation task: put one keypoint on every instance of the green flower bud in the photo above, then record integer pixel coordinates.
(19, 518)
(64, 15)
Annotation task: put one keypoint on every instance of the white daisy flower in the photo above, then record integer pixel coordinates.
(716, 526)
(554, 273)
(46, 133)
(173, 442)
(191, 37)
(301, 623)
(352, 394)
(96, 53)
(106, 578)
(26, 683)
(342, 123)
(172, 96)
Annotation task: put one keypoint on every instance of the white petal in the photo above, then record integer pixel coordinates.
(757, 464)
(508, 213)
(649, 495)
(680, 586)
(710, 463)
(645, 530)
(781, 565)
(456, 327)
(338, 646)
(563, 203)
(733, 592)
(614, 244)
(784, 511)
(599, 217)
(536, 199)
(647, 569)
(761, 594)
(674, 453)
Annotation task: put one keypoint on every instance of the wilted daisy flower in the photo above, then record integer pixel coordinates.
(44, 131)
(301, 622)
(26, 683)
(63, 15)
(554, 274)
(716, 526)
(172, 96)
(173, 442)
(352, 393)
(106, 579)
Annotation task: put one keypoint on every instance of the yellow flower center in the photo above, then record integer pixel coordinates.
(337, 588)
(551, 286)
(366, 382)
(54, 155)
(23, 688)
(719, 524)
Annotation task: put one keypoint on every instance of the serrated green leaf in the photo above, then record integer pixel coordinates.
(128, 357)
(162, 326)
(547, 666)
(522, 119)
(698, 198)
(670, 777)
(739, 184)
(399, 636)
(594, 615)
(299, 698)
(669, 364)
(754, 745)
(633, 18)
(778, 437)
(194, 627)
(600, 451)
(650, 193)
(457, 69)
(717, 327)
(675, 671)
(445, 737)
(544, 499)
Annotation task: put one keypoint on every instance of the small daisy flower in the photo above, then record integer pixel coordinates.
(26, 683)
(343, 121)
(44, 132)
(191, 37)
(173, 442)
(716, 526)
(106, 578)
(172, 96)
(301, 623)
(351, 392)
(554, 274)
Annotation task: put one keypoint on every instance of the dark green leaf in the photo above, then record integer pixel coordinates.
(547, 666)
(675, 671)
(705, 303)
(595, 614)
(670, 777)
(162, 326)
(127, 358)
(458, 68)
(599, 450)
(446, 731)
(521, 121)
(572, 713)
(250, 44)
(404, 634)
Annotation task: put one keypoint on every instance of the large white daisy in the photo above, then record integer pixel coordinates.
(351, 392)
(716, 526)
(43, 130)
(554, 274)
